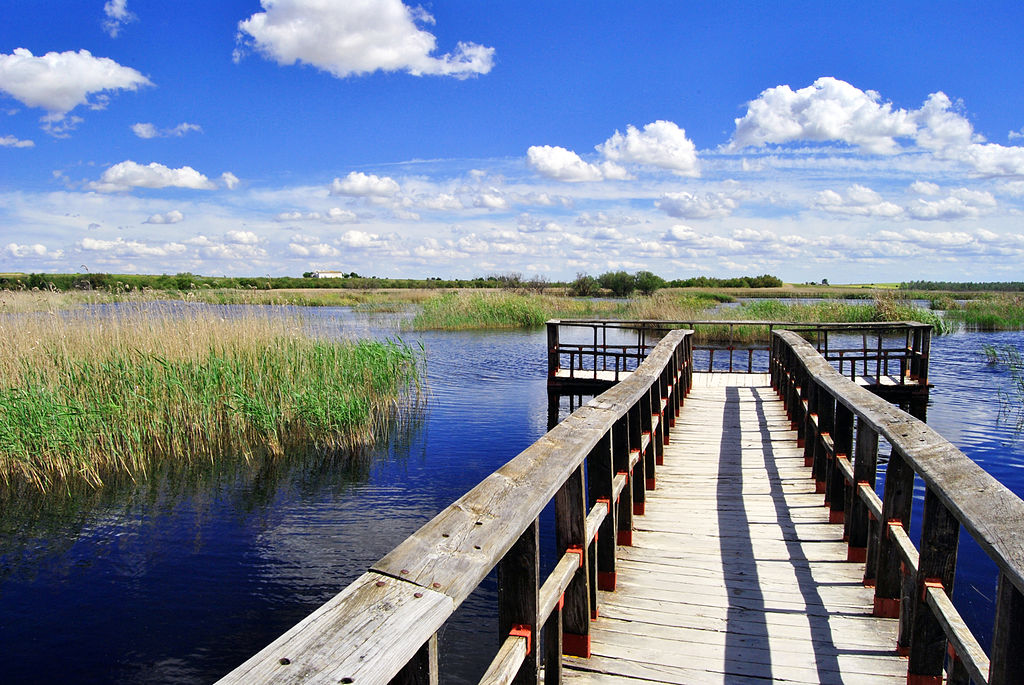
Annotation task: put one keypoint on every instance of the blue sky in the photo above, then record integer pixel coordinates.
(850, 141)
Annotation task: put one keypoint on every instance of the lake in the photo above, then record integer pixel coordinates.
(183, 578)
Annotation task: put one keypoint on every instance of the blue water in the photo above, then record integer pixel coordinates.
(183, 578)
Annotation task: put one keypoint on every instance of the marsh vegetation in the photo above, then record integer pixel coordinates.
(88, 393)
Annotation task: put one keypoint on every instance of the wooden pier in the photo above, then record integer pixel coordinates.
(711, 527)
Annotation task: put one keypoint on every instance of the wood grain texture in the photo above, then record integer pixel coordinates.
(343, 638)
(735, 574)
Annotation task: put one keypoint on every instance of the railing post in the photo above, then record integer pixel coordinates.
(1008, 635)
(860, 528)
(422, 668)
(839, 491)
(648, 408)
(896, 502)
(810, 432)
(926, 346)
(823, 459)
(570, 531)
(638, 476)
(518, 588)
(553, 353)
(620, 461)
(599, 475)
(940, 532)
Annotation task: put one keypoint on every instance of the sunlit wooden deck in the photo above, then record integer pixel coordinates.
(735, 574)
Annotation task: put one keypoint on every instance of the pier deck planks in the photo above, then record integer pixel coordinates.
(735, 574)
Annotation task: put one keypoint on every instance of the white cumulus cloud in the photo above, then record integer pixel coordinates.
(229, 180)
(827, 110)
(147, 130)
(830, 110)
(313, 250)
(359, 184)
(352, 38)
(687, 205)
(128, 174)
(11, 141)
(242, 237)
(171, 217)
(661, 144)
(565, 165)
(35, 250)
(858, 200)
(61, 81)
(359, 239)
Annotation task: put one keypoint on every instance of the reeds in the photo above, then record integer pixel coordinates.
(91, 393)
(989, 313)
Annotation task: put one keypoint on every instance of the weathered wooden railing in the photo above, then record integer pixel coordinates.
(915, 584)
(596, 465)
(896, 349)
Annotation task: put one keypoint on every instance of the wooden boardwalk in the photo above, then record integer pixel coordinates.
(735, 574)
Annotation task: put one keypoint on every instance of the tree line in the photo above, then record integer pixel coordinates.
(984, 286)
(618, 283)
(623, 284)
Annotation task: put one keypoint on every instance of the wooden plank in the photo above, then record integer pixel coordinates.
(735, 573)
(967, 648)
(507, 662)
(342, 638)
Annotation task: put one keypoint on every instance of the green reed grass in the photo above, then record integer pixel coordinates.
(85, 395)
(472, 309)
(885, 308)
(989, 313)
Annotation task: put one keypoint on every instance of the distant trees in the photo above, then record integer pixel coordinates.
(620, 283)
(585, 285)
(763, 281)
(985, 286)
(647, 283)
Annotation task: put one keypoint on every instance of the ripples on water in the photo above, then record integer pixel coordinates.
(183, 580)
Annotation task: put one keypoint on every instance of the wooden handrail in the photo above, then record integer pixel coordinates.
(383, 627)
(823, 405)
(907, 358)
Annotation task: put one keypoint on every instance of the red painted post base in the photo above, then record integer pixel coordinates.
(808, 461)
(606, 581)
(638, 508)
(903, 650)
(800, 444)
(659, 461)
(625, 538)
(886, 608)
(593, 614)
(924, 679)
(650, 483)
(576, 645)
(819, 487)
(666, 434)
(857, 554)
(869, 582)
(836, 516)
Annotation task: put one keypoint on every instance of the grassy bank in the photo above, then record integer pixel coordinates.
(88, 394)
